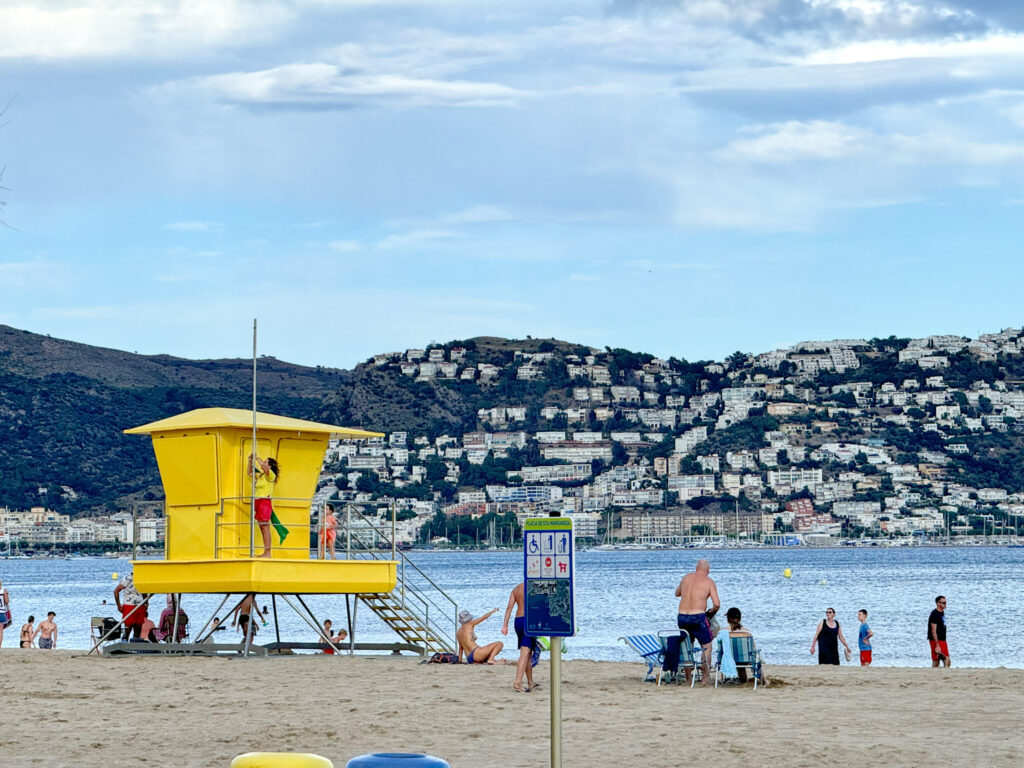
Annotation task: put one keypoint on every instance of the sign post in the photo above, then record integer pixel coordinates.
(549, 609)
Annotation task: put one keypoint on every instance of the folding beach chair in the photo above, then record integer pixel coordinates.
(746, 656)
(650, 650)
(100, 626)
(678, 655)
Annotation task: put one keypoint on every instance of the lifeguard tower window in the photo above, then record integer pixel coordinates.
(193, 460)
(300, 461)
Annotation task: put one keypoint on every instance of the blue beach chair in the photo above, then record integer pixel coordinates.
(746, 655)
(650, 650)
(678, 655)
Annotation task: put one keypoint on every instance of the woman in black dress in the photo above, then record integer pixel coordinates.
(827, 637)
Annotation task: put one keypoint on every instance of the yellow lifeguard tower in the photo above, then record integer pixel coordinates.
(211, 537)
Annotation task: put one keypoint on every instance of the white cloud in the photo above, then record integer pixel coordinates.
(789, 176)
(417, 238)
(46, 29)
(345, 246)
(322, 85)
(192, 226)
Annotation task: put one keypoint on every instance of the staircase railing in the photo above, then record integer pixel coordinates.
(415, 592)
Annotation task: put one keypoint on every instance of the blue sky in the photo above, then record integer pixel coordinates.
(685, 178)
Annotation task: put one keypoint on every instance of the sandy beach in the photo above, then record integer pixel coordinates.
(76, 710)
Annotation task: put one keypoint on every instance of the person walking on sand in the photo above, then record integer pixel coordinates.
(527, 645)
(266, 472)
(864, 635)
(466, 637)
(827, 637)
(937, 633)
(694, 616)
(48, 632)
(5, 611)
(28, 633)
(242, 615)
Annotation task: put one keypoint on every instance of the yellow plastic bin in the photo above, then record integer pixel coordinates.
(280, 760)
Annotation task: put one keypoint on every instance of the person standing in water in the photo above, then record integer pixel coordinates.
(5, 611)
(827, 637)
(266, 472)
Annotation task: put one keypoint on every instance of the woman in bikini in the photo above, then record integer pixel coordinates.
(466, 636)
(28, 633)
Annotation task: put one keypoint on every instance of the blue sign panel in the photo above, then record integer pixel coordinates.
(548, 577)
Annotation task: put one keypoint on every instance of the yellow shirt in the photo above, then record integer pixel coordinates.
(264, 483)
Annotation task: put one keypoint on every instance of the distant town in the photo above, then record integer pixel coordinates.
(825, 442)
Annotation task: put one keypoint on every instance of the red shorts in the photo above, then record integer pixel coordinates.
(264, 509)
(136, 618)
(865, 657)
(938, 646)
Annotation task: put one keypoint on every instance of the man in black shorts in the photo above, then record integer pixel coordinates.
(527, 645)
(693, 592)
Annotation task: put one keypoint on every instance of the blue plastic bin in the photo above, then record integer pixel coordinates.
(396, 760)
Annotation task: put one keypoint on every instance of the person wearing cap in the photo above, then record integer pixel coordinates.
(466, 635)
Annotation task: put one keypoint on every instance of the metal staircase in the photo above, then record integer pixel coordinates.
(418, 610)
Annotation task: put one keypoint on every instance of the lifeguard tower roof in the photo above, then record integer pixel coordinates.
(213, 418)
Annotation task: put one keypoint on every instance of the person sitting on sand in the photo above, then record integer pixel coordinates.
(466, 635)
(28, 633)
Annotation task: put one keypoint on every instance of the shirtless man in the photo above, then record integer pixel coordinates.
(526, 644)
(48, 632)
(466, 635)
(693, 592)
(242, 615)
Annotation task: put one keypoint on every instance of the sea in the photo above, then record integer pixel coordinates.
(625, 592)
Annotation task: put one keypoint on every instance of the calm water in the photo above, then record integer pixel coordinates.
(620, 593)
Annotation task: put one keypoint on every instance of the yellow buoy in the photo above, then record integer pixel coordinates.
(823, 582)
(788, 573)
(114, 575)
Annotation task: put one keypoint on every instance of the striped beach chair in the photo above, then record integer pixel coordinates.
(650, 650)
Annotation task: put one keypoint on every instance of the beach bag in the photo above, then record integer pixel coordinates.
(444, 658)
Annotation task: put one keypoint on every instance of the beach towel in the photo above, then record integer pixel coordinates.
(726, 662)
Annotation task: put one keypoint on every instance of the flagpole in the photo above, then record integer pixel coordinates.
(252, 458)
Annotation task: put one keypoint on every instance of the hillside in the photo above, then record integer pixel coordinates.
(902, 433)
(63, 406)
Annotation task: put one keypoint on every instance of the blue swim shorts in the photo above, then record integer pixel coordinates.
(697, 625)
(524, 641)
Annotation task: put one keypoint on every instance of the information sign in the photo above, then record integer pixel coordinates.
(548, 577)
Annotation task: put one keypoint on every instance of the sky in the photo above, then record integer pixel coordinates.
(687, 177)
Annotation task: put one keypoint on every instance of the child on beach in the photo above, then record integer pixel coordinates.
(864, 638)
(328, 532)
(266, 472)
